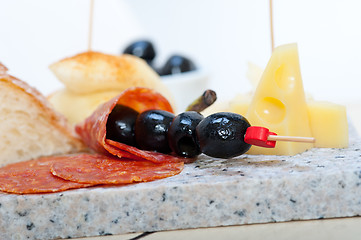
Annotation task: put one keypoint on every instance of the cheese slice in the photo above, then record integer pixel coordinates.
(279, 102)
(328, 124)
(76, 107)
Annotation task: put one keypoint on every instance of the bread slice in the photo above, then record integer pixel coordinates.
(93, 72)
(29, 127)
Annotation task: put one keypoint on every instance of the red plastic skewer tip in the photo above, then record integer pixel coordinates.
(258, 136)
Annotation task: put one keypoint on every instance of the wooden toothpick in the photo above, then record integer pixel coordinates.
(90, 30)
(291, 139)
(271, 24)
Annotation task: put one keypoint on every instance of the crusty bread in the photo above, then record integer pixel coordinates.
(92, 78)
(29, 127)
(91, 72)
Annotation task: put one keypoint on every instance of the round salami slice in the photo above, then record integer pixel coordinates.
(34, 176)
(142, 99)
(93, 129)
(100, 169)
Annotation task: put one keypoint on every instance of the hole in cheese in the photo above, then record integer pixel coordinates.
(271, 110)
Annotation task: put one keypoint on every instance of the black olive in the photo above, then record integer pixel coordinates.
(221, 135)
(151, 130)
(182, 134)
(120, 125)
(177, 64)
(143, 49)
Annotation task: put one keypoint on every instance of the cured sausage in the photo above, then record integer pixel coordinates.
(100, 169)
(93, 129)
(34, 176)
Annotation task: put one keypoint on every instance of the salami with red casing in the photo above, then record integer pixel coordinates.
(34, 176)
(100, 169)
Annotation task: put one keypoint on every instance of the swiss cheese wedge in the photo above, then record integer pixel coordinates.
(279, 102)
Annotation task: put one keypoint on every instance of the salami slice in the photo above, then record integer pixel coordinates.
(34, 176)
(93, 129)
(100, 169)
(142, 99)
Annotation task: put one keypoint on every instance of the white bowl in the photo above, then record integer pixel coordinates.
(186, 87)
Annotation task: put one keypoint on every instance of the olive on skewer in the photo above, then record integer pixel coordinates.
(221, 135)
(182, 137)
(151, 130)
(121, 125)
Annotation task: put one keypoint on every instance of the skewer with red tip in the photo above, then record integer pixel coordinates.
(262, 137)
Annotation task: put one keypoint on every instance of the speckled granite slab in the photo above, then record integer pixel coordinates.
(320, 183)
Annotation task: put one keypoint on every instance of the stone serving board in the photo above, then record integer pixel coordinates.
(319, 183)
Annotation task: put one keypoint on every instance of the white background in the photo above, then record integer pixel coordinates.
(222, 36)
